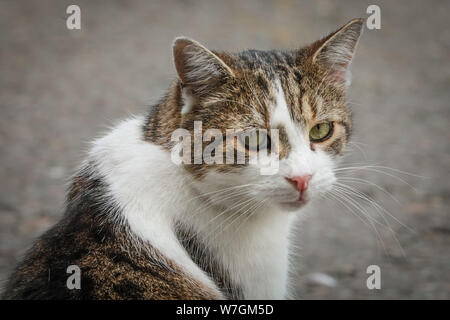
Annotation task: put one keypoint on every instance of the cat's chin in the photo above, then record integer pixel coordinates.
(294, 205)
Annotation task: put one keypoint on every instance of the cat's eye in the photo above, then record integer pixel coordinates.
(255, 140)
(321, 132)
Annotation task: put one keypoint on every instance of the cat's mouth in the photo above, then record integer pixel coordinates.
(300, 183)
(296, 204)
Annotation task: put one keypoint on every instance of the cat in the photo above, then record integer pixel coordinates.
(139, 226)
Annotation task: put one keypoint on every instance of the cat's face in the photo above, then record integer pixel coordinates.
(293, 100)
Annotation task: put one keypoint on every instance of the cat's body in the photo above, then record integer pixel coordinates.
(140, 226)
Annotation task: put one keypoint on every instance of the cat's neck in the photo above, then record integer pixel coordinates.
(247, 256)
(157, 201)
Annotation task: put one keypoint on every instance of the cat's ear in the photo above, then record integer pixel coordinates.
(198, 68)
(335, 51)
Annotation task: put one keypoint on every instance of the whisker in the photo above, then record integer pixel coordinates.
(371, 225)
(243, 205)
(221, 190)
(375, 170)
(363, 181)
(379, 210)
(247, 217)
(359, 148)
(372, 201)
(358, 206)
(244, 214)
(356, 167)
(211, 202)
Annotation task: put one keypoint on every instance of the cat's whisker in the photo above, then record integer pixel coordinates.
(222, 190)
(372, 202)
(359, 148)
(358, 206)
(376, 205)
(379, 209)
(357, 166)
(370, 220)
(217, 198)
(244, 214)
(248, 216)
(373, 169)
(359, 142)
(343, 201)
(244, 201)
(227, 209)
(243, 205)
(370, 183)
(352, 191)
(212, 202)
(355, 103)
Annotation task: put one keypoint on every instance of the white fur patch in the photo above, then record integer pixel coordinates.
(188, 100)
(149, 189)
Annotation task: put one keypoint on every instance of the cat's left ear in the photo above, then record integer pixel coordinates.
(335, 52)
(198, 68)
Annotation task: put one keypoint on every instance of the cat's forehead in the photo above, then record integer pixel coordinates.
(268, 61)
(263, 75)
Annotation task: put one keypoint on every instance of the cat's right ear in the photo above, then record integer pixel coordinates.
(335, 52)
(199, 69)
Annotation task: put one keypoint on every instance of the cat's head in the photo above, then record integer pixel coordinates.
(294, 101)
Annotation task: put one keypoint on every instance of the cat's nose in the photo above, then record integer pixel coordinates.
(300, 182)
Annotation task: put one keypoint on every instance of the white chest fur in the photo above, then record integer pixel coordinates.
(153, 193)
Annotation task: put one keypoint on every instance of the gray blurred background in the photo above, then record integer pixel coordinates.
(60, 88)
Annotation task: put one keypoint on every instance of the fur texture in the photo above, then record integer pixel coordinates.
(142, 227)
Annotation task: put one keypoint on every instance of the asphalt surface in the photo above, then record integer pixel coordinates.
(60, 88)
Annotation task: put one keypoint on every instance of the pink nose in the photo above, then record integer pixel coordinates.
(301, 182)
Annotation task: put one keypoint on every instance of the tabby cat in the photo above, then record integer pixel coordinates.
(139, 225)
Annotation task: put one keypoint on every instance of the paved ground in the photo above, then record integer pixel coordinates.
(60, 88)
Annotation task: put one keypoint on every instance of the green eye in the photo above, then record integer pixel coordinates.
(321, 132)
(255, 140)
